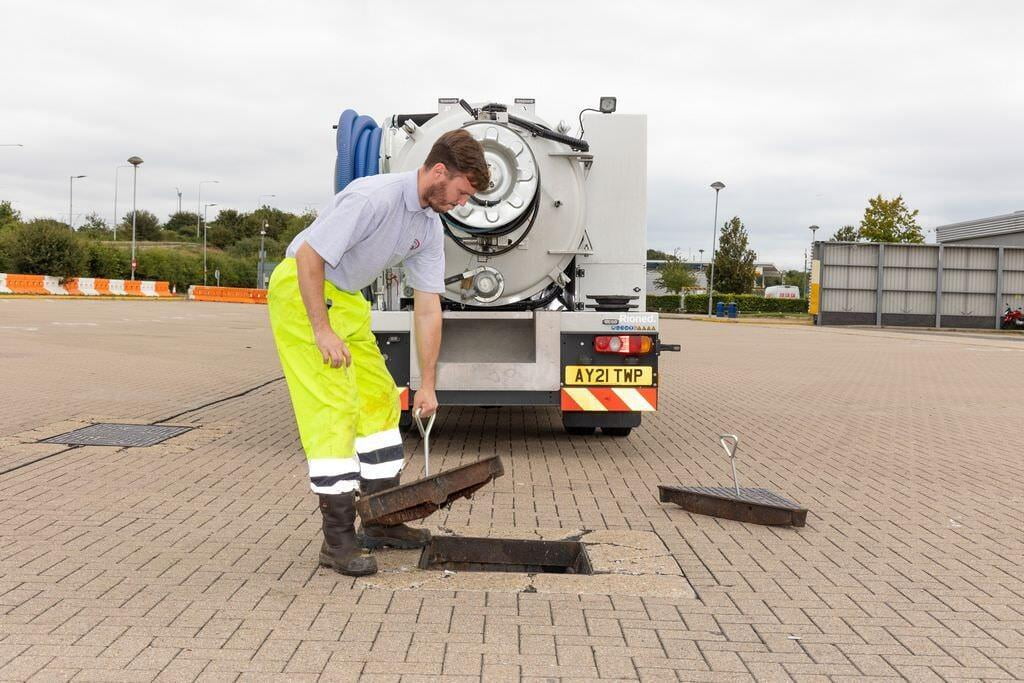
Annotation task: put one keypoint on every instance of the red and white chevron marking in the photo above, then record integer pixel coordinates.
(610, 399)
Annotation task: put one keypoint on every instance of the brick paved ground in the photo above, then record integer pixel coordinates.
(196, 559)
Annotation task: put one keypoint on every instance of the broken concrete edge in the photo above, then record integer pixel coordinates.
(625, 562)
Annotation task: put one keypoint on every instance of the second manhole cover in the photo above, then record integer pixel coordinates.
(109, 434)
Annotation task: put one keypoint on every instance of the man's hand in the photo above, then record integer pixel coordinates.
(333, 348)
(425, 402)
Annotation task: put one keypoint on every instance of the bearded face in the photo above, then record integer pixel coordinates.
(449, 191)
(437, 196)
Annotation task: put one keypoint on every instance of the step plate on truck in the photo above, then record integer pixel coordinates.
(756, 506)
(423, 497)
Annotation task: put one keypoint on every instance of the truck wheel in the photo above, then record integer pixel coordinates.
(580, 431)
(405, 422)
(616, 431)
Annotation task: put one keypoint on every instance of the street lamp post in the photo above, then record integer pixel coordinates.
(134, 161)
(263, 256)
(199, 203)
(205, 230)
(71, 194)
(117, 171)
(807, 287)
(263, 235)
(718, 186)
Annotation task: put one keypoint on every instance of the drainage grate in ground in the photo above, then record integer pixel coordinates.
(106, 434)
(505, 555)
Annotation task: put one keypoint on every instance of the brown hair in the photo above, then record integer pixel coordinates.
(463, 155)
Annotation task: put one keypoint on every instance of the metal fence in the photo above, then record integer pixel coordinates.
(923, 285)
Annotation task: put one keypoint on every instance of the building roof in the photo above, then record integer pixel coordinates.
(981, 227)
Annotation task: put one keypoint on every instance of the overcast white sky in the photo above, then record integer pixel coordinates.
(803, 109)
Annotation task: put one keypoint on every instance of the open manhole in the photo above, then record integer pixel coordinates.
(505, 555)
(107, 434)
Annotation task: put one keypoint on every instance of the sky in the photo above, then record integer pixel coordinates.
(803, 109)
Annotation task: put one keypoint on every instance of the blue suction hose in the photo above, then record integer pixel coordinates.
(358, 143)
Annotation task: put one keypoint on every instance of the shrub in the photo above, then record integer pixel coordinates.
(6, 248)
(102, 260)
(667, 303)
(746, 303)
(45, 247)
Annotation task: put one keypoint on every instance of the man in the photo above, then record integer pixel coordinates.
(346, 403)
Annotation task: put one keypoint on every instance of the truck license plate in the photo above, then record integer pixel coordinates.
(616, 375)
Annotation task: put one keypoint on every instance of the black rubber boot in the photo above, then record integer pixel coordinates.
(395, 536)
(340, 550)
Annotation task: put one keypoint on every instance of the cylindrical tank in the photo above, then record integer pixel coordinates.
(782, 292)
(536, 198)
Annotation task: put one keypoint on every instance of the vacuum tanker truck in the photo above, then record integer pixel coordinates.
(545, 299)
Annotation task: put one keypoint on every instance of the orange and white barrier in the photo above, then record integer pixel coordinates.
(82, 286)
(610, 399)
(236, 295)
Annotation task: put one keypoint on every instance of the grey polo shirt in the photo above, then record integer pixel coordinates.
(376, 223)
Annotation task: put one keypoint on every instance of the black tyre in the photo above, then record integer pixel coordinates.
(580, 431)
(616, 431)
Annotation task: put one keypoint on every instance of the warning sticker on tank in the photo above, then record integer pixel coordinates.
(615, 375)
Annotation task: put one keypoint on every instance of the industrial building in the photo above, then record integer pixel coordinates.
(1000, 231)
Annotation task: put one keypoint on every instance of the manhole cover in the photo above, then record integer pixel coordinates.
(423, 497)
(754, 505)
(106, 434)
(505, 555)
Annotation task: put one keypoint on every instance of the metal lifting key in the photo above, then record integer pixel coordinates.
(425, 433)
(725, 440)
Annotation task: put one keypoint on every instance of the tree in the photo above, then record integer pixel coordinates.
(296, 224)
(675, 277)
(229, 227)
(47, 247)
(276, 220)
(794, 277)
(847, 233)
(655, 255)
(734, 261)
(889, 220)
(147, 226)
(95, 226)
(183, 223)
(8, 214)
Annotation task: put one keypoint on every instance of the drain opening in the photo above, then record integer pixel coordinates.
(505, 555)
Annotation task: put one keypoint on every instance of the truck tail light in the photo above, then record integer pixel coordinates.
(626, 344)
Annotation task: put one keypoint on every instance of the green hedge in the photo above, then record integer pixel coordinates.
(47, 248)
(667, 303)
(747, 303)
(183, 268)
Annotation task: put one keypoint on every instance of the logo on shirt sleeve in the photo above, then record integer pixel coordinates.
(415, 245)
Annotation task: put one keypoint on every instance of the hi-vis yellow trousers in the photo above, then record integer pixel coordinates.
(347, 417)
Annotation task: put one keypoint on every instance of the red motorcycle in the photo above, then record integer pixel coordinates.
(1013, 319)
